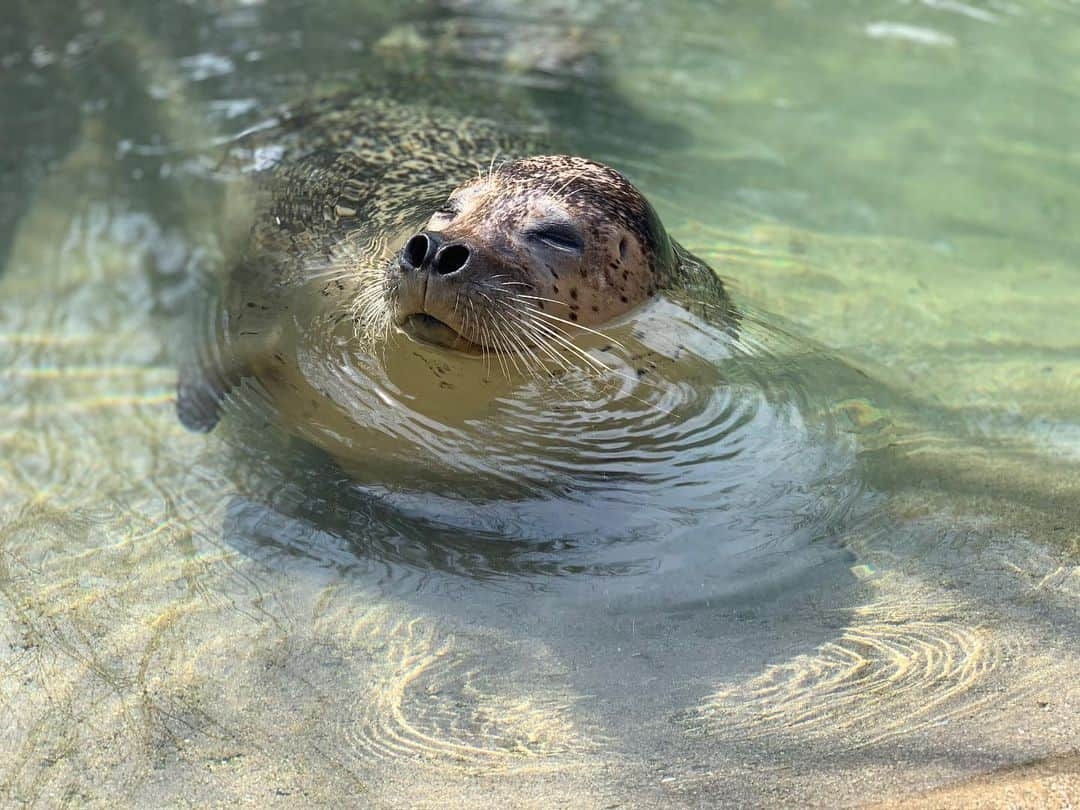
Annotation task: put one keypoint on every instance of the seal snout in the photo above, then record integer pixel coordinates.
(432, 272)
(452, 259)
(427, 252)
(418, 250)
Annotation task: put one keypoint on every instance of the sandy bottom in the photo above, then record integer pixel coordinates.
(148, 659)
(1052, 782)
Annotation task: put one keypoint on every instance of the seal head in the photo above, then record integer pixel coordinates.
(525, 254)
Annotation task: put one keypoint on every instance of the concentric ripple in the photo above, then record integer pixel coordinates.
(903, 663)
(681, 443)
(427, 703)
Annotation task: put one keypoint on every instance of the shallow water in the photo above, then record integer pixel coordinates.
(867, 583)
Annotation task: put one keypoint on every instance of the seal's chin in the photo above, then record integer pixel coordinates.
(429, 329)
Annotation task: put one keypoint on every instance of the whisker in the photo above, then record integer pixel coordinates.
(542, 314)
(565, 185)
(561, 339)
(524, 347)
(524, 332)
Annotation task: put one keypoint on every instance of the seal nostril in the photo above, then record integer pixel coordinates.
(451, 259)
(416, 250)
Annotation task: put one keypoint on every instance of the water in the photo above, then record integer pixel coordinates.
(869, 589)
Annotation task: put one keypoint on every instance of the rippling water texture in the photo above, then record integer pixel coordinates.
(831, 558)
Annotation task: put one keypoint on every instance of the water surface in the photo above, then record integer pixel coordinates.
(878, 590)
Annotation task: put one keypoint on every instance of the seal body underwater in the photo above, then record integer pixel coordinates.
(372, 227)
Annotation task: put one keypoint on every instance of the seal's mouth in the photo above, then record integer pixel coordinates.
(429, 329)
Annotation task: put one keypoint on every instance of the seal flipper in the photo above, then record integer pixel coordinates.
(208, 378)
(199, 397)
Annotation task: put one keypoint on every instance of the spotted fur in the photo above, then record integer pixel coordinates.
(335, 186)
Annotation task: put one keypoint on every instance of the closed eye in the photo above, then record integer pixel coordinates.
(558, 236)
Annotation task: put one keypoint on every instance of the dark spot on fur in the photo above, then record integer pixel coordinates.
(573, 293)
(573, 317)
(624, 299)
(555, 287)
(540, 304)
(554, 274)
(596, 309)
(622, 248)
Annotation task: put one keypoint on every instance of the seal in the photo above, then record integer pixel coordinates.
(384, 219)
(522, 257)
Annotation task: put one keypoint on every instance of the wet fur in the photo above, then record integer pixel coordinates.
(346, 175)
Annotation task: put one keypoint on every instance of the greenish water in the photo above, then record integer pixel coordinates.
(892, 186)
